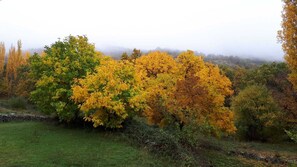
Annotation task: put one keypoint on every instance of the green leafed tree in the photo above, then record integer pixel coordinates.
(256, 114)
(56, 70)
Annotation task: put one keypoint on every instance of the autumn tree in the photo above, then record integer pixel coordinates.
(2, 65)
(56, 70)
(155, 63)
(2, 58)
(125, 56)
(132, 58)
(27, 78)
(110, 95)
(184, 91)
(135, 54)
(14, 61)
(200, 94)
(158, 71)
(288, 36)
(257, 114)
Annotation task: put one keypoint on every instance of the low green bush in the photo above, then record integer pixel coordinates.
(17, 103)
(165, 142)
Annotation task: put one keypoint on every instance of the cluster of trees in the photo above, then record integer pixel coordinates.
(288, 37)
(10, 82)
(74, 82)
(264, 101)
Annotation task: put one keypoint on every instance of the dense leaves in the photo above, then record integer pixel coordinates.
(158, 70)
(72, 81)
(62, 62)
(9, 74)
(110, 95)
(201, 92)
(256, 113)
(185, 90)
(288, 36)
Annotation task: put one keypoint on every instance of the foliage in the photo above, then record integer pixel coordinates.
(292, 135)
(110, 95)
(2, 58)
(2, 68)
(17, 103)
(185, 90)
(62, 62)
(288, 36)
(155, 63)
(201, 93)
(234, 61)
(132, 58)
(275, 77)
(26, 76)
(158, 70)
(256, 113)
(15, 59)
(161, 142)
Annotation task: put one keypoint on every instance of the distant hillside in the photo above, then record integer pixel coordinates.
(116, 53)
(235, 61)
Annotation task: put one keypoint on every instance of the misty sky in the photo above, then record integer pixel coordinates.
(230, 27)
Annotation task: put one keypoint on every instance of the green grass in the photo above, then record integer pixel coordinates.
(12, 106)
(46, 144)
(43, 144)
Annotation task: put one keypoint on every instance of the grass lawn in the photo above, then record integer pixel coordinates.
(44, 144)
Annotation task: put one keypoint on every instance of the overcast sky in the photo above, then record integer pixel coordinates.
(230, 27)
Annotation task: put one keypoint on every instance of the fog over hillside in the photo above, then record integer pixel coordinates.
(231, 27)
(117, 52)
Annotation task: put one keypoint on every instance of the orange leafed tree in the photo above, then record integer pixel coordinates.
(14, 61)
(288, 36)
(184, 91)
(2, 58)
(201, 92)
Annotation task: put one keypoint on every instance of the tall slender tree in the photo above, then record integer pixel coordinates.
(2, 58)
(288, 37)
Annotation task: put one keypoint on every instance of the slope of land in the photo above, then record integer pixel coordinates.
(48, 143)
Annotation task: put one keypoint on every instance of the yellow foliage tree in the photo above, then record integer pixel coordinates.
(2, 62)
(155, 63)
(201, 92)
(2, 58)
(14, 61)
(288, 36)
(185, 91)
(158, 71)
(25, 82)
(110, 95)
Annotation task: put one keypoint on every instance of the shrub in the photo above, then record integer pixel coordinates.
(17, 103)
(292, 135)
(160, 141)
